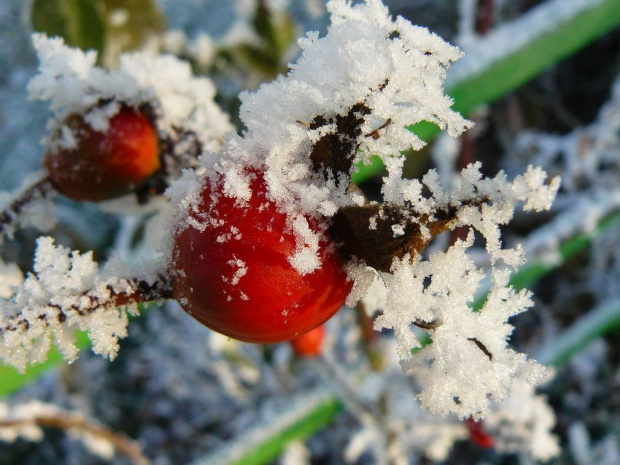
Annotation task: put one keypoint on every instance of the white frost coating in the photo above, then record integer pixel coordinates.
(470, 364)
(392, 70)
(58, 299)
(70, 80)
(513, 36)
(402, 430)
(523, 423)
(11, 278)
(366, 287)
(202, 49)
(240, 270)
(306, 256)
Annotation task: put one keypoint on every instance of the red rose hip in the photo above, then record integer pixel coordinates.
(311, 343)
(232, 272)
(105, 165)
(478, 434)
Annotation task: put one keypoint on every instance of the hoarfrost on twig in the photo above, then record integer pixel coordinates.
(68, 291)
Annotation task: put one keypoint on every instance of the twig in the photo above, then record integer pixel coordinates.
(74, 421)
(603, 319)
(346, 392)
(139, 291)
(484, 21)
(41, 188)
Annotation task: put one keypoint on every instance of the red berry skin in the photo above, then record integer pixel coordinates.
(478, 435)
(271, 302)
(309, 344)
(105, 165)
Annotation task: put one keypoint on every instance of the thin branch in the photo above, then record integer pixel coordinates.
(482, 347)
(428, 325)
(74, 421)
(41, 188)
(486, 12)
(134, 291)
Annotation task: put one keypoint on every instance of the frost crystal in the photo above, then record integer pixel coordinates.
(523, 422)
(67, 292)
(470, 364)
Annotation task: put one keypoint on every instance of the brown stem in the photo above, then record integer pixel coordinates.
(179, 149)
(67, 421)
(428, 325)
(336, 151)
(484, 20)
(466, 156)
(369, 335)
(379, 245)
(482, 347)
(140, 291)
(39, 189)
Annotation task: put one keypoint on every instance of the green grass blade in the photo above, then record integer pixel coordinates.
(604, 319)
(306, 414)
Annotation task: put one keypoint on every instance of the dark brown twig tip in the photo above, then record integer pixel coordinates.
(482, 347)
(428, 325)
(42, 188)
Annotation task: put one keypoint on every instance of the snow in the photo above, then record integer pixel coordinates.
(523, 423)
(389, 66)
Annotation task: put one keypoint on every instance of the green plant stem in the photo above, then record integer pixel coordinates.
(510, 71)
(306, 414)
(603, 319)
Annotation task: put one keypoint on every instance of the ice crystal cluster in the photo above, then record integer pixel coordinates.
(470, 364)
(523, 422)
